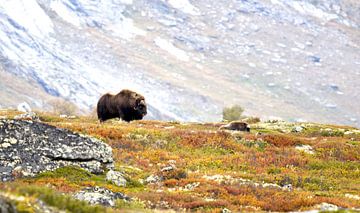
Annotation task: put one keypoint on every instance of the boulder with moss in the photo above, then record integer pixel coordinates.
(28, 148)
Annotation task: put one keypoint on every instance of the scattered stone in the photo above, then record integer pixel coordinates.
(191, 186)
(298, 129)
(28, 148)
(169, 127)
(116, 177)
(28, 116)
(97, 195)
(24, 107)
(355, 197)
(225, 210)
(168, 168)
(67, 116)
(287, 187)
(153, 179)
(348, 133)
(328, 207)
(305, 148)
(5, 145)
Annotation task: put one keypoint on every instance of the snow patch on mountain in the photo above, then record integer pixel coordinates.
(170, 48)
(125, 29)
(185, 6)
(65, 13)
(27, 15)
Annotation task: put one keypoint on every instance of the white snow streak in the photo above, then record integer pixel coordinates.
(28, 14)
(170, 48)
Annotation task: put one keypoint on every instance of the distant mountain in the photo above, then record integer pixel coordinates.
(298, 60)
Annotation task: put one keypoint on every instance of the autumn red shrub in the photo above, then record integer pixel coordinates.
(282, 140)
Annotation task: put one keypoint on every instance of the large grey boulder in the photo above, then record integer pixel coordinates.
(28, 148)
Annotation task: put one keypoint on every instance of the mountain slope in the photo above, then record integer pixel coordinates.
(298, 60)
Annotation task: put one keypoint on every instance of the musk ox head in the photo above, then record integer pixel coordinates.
(126, 105)
(140, 106)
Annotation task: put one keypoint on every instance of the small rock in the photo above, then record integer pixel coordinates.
(305, 148)
(11, 140)
(28, 116)
(169, 127)
(97, 195)
(67, 116)
(5, 145)
(191, 186)
(328, 207)
(168, 168)
(153, 179)
(116, 177)
(355, 197)
(225, 210)
(298, 129)
(287, 187)
(348, 133)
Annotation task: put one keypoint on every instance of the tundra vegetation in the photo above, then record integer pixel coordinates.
(288, 167)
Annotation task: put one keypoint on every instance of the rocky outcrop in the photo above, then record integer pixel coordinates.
(102, 196)
(116, 178)
(28, 148)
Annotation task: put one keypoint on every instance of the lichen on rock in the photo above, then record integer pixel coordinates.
(28, 148)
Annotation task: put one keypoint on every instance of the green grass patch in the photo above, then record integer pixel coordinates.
(70, 173)
(60, 201)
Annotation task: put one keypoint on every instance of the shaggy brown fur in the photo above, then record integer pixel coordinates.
(236, 125)
(126, 105)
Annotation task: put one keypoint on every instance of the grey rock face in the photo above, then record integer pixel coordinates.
(116, 177)
(28, 148)
(98, 195)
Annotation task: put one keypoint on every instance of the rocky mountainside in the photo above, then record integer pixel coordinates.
(298, 60)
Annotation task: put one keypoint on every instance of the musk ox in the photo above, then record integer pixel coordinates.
(126, 105)
(236, 125)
